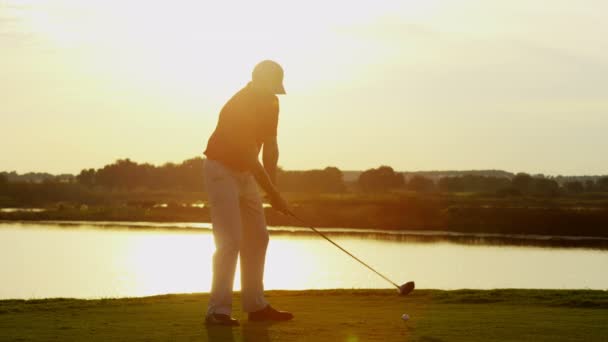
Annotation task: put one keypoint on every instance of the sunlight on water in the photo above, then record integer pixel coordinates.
(159, 263)
(42, 260)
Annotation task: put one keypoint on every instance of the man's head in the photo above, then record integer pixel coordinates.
(268, 76)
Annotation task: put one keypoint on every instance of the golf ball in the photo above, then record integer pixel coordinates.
(405, 317)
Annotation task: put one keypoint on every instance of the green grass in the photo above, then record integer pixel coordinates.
(332, 315)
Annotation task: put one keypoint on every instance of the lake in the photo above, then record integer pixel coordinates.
(94, 260)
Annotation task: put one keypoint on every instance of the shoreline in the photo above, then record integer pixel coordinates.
(584, 298)
(416, 236)
(458, 216)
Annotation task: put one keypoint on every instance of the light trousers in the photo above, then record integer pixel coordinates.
(239, 227)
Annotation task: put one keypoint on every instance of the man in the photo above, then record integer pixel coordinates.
(247, 123)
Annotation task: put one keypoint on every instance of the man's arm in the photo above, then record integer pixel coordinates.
(263, 179)
(271, 158)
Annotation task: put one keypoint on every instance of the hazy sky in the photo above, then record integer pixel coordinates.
(518, 85)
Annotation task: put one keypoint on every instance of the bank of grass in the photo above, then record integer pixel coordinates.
(330, 315)
(581, 216)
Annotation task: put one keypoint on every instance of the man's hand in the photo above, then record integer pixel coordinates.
(260, 175)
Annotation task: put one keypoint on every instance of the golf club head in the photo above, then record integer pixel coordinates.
(406, 288)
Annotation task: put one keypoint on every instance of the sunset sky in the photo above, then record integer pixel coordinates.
(418, 85)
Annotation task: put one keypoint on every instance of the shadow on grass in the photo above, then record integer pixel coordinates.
(219, 334)
(251, 332)
(257, 332)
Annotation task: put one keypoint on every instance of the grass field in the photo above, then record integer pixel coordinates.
(331, 315)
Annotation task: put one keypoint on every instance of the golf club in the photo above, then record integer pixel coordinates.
(404, 289)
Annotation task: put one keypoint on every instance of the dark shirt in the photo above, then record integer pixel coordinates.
(246, 122)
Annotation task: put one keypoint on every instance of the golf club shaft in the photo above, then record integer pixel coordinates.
(344, 250)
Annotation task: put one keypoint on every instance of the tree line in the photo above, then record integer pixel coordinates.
(127, 174)
(187, 177)
(385, 178)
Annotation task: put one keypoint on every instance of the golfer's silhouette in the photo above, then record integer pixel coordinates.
(247, 124)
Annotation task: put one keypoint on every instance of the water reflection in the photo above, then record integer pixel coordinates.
(81, 260)
(379, 235)
(470, 239)
(16, 210)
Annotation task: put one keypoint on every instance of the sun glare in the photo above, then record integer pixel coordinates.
(188, 43)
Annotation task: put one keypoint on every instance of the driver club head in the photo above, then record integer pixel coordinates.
(406, 288)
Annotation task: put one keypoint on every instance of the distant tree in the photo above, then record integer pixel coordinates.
(3, 183)
(12, 176)
(522, 182)
(473, 183)
(189, 175)
(124, 174)
(574, 187)
(331, 179)
(602, 184)
(589, 185)
(381, 179)
(544, 187)
(420, 184)
(86, 177)
(328, 180)
(162, 177)
(537, 186)
(450, 184)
